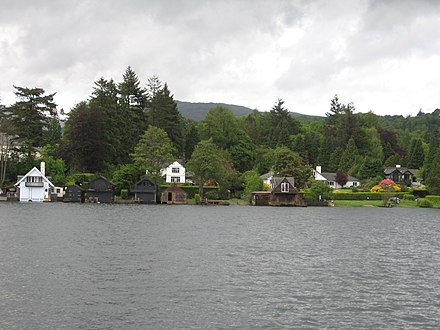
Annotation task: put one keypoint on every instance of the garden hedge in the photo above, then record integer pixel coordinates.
(366, 195)
(191, 191)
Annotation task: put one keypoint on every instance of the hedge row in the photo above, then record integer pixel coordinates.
(191, 191)
(366, 195)
(434, 199)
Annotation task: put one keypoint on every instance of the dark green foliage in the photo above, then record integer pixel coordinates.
(416, 154)
(80, 179)
(320, 190)
(364, 195)
(288, 163)
(434, 199)
(348, 157)
(191, 139)
(153, 152)
(213, 195)
(282, 125)
(53, 134)
(197, 198)
(432, 169)
(124, 193)
(207, 163)
(114, 121)
(83, 146)
(31, 114)
(165, 115)
(425, 203)
(191, 191)
(371, 167)
(55, 167)
(252, 182)
(222, 127)
(409, 197)
(125, 177)
(133, 102)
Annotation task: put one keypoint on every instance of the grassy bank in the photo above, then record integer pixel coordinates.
(375, 203)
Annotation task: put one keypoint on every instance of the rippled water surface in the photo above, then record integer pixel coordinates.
(70, 266)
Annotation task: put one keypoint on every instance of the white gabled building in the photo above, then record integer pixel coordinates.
(174, 173)
(34, 186)
(330, 178)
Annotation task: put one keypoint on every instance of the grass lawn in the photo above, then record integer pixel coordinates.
(376, 203)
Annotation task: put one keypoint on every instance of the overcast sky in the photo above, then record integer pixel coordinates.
(383, 56)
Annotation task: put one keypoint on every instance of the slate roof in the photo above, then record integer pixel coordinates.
(332, 177)
(402, 170)
(278, 179)
(266, 175)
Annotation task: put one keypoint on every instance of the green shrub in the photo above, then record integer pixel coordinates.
(434, 199)
(409, 197)
(124, 193)
(423, 202)
(191, 191)
(364, 196)
(212, 195)
(197, 198)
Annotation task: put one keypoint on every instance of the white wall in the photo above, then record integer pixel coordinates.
(171, 176)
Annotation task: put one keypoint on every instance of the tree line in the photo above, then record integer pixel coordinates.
(126, 129)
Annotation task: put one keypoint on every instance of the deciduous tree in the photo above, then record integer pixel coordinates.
(206, 163)
(153, 152)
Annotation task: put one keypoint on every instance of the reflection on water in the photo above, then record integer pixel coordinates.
(178, 267)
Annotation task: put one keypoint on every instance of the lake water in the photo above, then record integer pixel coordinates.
(71, 266)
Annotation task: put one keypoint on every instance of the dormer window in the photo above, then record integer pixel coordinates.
(284, 187)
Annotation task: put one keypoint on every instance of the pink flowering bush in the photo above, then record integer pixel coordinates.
(386, 185)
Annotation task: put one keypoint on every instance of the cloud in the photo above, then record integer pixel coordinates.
(380, 55)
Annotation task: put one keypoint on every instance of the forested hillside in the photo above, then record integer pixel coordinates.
(125, 128)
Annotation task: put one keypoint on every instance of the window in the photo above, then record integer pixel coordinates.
(175, 170)
(285, 187)
(175, 179)
(331, 183)
(34, 179)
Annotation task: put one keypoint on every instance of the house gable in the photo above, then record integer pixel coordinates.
(101, 184)
(36, 173)
(174, 173)
(144, 185)
(283, 185)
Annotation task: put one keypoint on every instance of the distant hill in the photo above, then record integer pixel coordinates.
(198, 111)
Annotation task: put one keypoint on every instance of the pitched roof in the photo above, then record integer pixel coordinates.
(266, 175)
(38, 172)
(278, 179)
(332, 177)
(402, 170)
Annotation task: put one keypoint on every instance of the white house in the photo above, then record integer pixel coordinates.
(34, 186)
(330, 178)
(174, 173)
(267, 178)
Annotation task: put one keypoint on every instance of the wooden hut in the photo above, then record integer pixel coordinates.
(74, 194)
(100, 190)
(144, 191)
(173, 195)
(283, 193)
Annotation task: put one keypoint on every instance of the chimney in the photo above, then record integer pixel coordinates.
(318, 169)
(43, 168)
